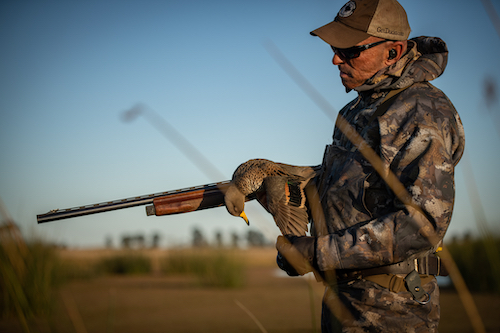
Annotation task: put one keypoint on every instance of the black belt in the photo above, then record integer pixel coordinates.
(429, 265)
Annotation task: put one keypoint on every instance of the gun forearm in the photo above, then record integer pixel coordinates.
(207, 196)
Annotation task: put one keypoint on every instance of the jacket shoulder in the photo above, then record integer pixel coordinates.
(423, 99)
(425, 109)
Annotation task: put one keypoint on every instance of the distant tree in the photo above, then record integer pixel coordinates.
(235, 239)
(139, 240)
(218, 239)
(256, 238)
(155, 241)
(126, 242)
(108, 242)
(198, 238)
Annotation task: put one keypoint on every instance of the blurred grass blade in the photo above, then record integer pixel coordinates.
(176, 138)
(493, 15)
(300, 80)
(251, 315)
(74, 314)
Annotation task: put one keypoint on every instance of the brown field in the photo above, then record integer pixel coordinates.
(269, 302)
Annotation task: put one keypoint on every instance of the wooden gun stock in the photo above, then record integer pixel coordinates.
(164, 203)
(207, 196)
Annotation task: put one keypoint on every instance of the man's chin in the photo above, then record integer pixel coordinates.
(348, 86)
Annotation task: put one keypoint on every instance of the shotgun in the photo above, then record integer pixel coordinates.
(158, 204)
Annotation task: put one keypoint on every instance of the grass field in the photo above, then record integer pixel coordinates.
(268, 301)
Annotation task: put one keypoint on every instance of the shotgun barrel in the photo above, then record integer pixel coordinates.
(163, 203)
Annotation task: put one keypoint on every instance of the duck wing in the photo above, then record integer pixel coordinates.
(286, 201)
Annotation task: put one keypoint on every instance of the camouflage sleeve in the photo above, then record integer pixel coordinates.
(421, 141)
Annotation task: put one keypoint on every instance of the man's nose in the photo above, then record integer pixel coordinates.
(336, 60)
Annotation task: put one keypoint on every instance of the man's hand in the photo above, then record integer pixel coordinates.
(295, 254)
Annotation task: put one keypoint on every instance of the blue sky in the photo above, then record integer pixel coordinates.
(70, 69)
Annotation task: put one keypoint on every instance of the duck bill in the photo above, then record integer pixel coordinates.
(244, 217)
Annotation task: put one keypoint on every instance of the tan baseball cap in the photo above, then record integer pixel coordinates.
(359, 19)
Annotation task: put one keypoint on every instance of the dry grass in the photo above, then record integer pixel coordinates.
(177, 303)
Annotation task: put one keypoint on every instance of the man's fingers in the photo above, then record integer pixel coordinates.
(281, 242)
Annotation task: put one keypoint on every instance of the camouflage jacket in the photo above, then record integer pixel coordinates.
(420, 138)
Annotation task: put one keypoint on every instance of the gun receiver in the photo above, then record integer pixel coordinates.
(163, 203)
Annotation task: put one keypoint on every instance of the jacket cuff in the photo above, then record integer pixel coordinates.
(327, 254)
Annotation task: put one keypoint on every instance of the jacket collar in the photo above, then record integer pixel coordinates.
(425, 60)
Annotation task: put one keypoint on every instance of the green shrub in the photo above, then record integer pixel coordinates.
(131, 263)
(477, 260)
(74, 269)
(212, 268)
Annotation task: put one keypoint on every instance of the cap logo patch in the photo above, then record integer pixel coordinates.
(348, 9)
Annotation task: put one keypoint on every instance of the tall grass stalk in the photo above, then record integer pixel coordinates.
(28, 275)
(111, 311)
(311, 305)
(73, 312)
(252, 316)
(30, 287)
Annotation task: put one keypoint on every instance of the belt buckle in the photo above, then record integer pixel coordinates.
(349, 276)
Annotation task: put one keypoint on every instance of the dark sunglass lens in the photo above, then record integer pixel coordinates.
(355, 51)
(349, 53)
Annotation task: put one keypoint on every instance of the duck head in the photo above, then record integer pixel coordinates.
(235, 203)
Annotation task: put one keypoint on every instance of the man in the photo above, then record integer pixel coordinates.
(373, 248)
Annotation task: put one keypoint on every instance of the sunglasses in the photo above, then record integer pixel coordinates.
(355, 51)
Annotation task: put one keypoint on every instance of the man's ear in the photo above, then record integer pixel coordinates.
(394, 52)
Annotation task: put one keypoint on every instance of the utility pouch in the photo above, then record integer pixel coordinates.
(414, 286)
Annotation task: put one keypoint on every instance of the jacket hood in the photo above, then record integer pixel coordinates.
(425, 60)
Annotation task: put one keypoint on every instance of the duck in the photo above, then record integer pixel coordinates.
(278, 187)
